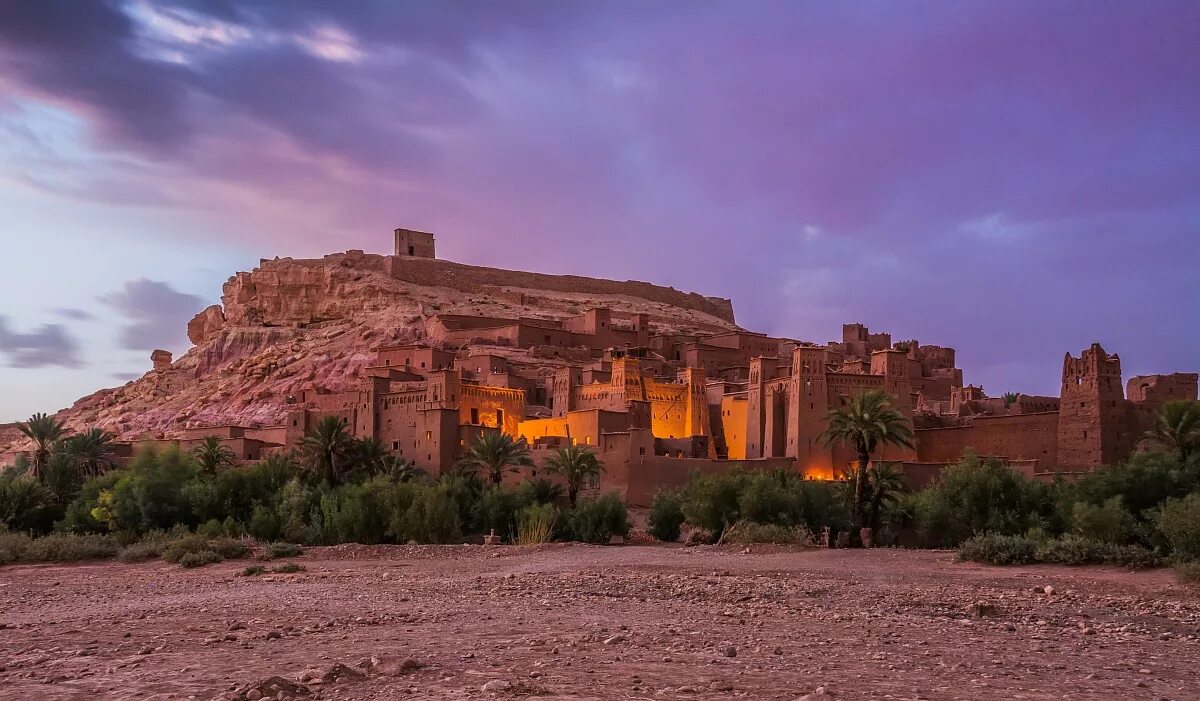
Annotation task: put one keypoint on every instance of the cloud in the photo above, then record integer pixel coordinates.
(48, 345)
(985, 157)
(157, 314)
(74, 314)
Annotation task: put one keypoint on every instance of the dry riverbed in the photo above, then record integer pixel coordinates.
(584, 622)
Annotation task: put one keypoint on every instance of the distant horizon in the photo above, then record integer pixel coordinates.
(1014, 180)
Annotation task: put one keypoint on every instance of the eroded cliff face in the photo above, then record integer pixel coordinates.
(291, 324)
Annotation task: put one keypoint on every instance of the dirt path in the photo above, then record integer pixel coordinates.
(579, 622)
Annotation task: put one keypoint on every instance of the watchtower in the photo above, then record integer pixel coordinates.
(414, 244)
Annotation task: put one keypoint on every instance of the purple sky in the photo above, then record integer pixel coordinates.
(1013, 179)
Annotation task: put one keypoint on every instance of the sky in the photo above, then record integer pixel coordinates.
(1017, 179)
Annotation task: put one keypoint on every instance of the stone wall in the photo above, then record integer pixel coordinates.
(1019, 436)
(474, 279)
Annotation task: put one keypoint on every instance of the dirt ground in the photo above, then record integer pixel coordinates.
(584, 622)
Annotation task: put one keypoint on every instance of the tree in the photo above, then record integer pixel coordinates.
(44, 430)
(211, 455)
(89, 453)
(576, 465)
(496, 453)
(866, 422)
(372, 459)
(885, 484)
(328, 449)
(1010, 398)
(1176, 428)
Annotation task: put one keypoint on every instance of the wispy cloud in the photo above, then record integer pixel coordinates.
(156, 314)
(47, 345)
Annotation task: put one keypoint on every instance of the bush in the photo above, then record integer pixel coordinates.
(1188, 573)
(25, 505)
(598, 520)
(68, 547)
(212, 528)
(748, 532)
(711, 501)
(1067, 550)
(978, 496)
(535, 524)
(433, 517)
(264, 525)
(274, 551)
(496, 510)
(190, 543)
(765, 499)
(1107, 523)
(1179, 521)
(289, 568)
(199, 559)
(12, 546)
(229, 548)
(666, 515)
(253, 570)
(141, 551)
(996, 549)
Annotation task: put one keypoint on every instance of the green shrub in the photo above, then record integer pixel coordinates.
(1179, 521)
(141, 551)
(535, 524)
(211, 528)
(977, 496)
(229, 548)
(1106, 523)
(765, 499)
(711, 501)
(190, 543)
(199, 558)
(597, 520)
(748, 532)
(253, 570)
(666, 515)
(264, 524)
(1067, 550)
(274, 551)
(12, 546)
(25, 504)
(996, 549)
(433, 517)
(1188, 573)
(496, 510)
(289, 568)
(69, 547)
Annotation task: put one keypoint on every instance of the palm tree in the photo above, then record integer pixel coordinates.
(1009, 398)
(1176, 428)
(328, 447)
(866, 422)
(89, 453)
(211, 455)
(496, 453)
(44, 430)
(885, 484)
(371, 458)
(576, 465)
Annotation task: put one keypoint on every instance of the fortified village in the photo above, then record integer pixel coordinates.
(659, 383)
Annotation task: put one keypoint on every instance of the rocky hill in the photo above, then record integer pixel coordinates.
(296, 323)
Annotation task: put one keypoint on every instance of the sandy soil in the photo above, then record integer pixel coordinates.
(580, 622)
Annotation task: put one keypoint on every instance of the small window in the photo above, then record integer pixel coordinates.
(429, 435)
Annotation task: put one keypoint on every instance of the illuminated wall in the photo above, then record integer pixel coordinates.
(734, 412)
